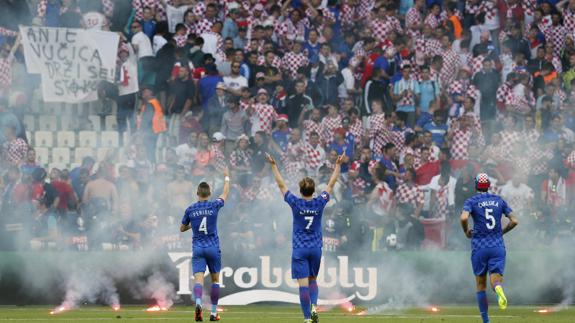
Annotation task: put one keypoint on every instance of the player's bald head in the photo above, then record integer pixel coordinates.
(204, 190)
(307, 187)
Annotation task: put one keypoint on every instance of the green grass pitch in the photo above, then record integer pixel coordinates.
(280, 313)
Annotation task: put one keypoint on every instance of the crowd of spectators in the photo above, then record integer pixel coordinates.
(419, 95)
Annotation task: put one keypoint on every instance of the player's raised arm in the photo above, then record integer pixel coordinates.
(465, 224)
(226, 191)
(513, 222)
(279, 180)
(335, 174)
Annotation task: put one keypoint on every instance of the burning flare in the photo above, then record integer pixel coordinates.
(156, 308)
(59, 310)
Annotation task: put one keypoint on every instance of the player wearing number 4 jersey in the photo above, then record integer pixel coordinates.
(487, 247)
(307, 238)
(202, 218)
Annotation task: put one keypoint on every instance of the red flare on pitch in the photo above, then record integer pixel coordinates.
(116, 307)
(59, 310)
(156, 308)
(543, 311)
(434, 309)
(220, 310)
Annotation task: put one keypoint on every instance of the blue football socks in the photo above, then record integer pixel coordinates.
(483, 305)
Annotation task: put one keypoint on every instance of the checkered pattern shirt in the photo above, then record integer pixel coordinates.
(450, 67)
(427, 47)
(409, 98)
(490, 10)
(328, 126)
(409, 194)
(219, 160)
(241, 158)
(472, 8)
(204, 26)
(416, 153)
(465, 88)
(441, 202)
(276, 62)
(155, 5)
(314, 157)
(556, 61)
(460, 144)
(310, 126)
(291, 31)
(508, 139)
(7, 32)
(504, 94)
(381, 28)
(262, 118)
(180, 40)
(569, 19)
(347, 16)
(292, 62)
(6, 71)
(376, 124)
(364, 8)
(530, 136)
(556, 35)
(357, 131)
(476, 64)
(432, 21)
(15, 151)
(413, 18)
(293, 159)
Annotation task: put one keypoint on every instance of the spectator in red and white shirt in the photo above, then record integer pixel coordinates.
(409, 193)
(314, 154)
(15, 149)
(6, 60)
(293, 60)
(329, 123)
(262, 114)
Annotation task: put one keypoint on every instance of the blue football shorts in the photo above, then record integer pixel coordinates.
(210, 257)
(305, 262)
(490, 260)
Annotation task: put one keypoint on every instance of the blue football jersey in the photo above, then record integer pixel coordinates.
(203, 216)
(307, 220)
(486, 210)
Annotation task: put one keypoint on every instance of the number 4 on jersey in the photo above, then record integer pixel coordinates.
(204, 226)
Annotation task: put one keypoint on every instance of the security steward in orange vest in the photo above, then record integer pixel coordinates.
(150, 122)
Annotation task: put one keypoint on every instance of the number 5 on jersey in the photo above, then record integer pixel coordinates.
(204, 226)
(488, 215)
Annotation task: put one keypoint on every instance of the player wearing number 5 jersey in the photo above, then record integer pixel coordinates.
(487, 247)
(307, 238)
(202, 218)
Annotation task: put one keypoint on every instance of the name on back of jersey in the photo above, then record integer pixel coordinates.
(206, 212)
(308, 212)
(488, 203)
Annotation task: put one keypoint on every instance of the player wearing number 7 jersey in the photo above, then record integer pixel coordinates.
(487, 247)
(202, 218)
(307, 238)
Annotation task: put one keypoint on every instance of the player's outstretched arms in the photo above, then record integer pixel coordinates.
(335, 174)
(226, 191)
(513, 222)
(279, 180)
(185, 227)
(465, 224)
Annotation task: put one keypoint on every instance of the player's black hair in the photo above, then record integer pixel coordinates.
(307, 187)
(204, 190)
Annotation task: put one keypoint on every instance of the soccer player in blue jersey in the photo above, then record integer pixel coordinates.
(307, 239)
(488, 249)
(202, 218)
